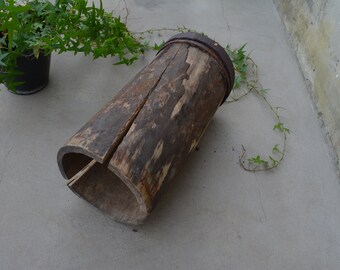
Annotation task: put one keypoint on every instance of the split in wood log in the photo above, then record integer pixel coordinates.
(122, 158)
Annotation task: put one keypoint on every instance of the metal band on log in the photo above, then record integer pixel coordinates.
(120, 160)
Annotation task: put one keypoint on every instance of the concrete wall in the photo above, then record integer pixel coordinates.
(314, 29)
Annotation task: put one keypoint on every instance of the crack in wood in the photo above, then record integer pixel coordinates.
(110, 152)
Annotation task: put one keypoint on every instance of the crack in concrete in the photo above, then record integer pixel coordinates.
(261, 200)
(225, 16)
(261, 204)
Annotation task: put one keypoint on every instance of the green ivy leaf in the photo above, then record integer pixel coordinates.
(258, 161)
(157, 47)
(263, 91)
(273, 160)
(276, 149)
(280, 127)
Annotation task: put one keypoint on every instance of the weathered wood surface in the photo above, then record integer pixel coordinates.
(171, 123)
(120, 160)
(98, 138)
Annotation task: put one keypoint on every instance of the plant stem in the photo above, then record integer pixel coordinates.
(241, 63)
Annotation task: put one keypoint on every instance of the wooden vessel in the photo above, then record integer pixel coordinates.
(120, 160)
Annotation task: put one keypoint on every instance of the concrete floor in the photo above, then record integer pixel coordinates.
(214, 215)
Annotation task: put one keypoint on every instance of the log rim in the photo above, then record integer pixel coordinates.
(144, 205)
(72, 149)
(213, 48)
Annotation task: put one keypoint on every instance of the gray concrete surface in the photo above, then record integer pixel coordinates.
(214, 215)
(313, 28)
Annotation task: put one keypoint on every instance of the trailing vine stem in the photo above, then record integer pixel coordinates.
(151, 31)
(282, 152)
(241, 62)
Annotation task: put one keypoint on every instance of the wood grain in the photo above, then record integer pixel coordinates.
(122, 158)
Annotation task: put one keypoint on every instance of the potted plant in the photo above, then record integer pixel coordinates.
(31, 30)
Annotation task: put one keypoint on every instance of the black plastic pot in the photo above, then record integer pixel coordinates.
(33, 72)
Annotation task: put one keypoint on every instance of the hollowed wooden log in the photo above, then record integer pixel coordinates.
(120, 160)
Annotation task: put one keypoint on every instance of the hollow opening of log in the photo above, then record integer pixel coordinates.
(105, 190)
(72, 163)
